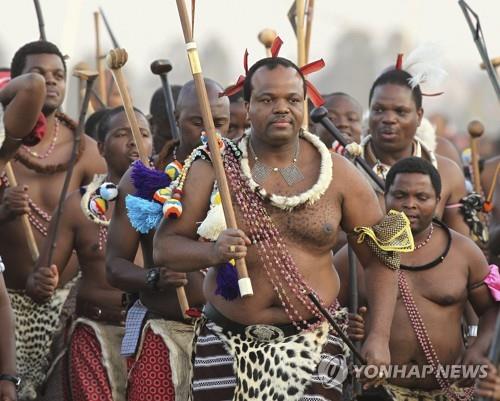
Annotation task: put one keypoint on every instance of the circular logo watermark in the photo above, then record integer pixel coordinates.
(332, 370)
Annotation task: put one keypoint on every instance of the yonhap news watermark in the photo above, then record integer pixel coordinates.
(334, 370)
(451, 372)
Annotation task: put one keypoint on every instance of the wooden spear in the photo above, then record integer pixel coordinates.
(244, 282)
(116, 60)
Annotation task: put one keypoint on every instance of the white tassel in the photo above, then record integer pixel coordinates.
(425, 65)
(213, 224)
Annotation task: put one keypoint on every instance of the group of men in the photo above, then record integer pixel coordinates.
(297, 196)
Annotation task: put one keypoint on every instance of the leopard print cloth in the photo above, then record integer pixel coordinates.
(35, 328)
(242, 368)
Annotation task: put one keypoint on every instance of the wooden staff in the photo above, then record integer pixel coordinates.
(39, 17)
(162, 68)
(99, 58)
(244, 282)
(266, 37)
(310, 14)
(300, 7)
(116, 60)
(90, 77)
(476, 130)
(28, 231)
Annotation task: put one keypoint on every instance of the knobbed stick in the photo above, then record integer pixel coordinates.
(162, 68)
(266, 37)
(90, 77)
(28, 231)
(301, 48)
(116, 59)
(476, 130)
(244, 282)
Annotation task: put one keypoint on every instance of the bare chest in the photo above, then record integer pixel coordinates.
(44, 189)
(444, 285)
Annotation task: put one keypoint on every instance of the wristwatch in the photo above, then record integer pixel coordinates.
(152, 277)
(14, 379)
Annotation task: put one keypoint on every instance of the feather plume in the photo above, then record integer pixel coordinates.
(425, 65)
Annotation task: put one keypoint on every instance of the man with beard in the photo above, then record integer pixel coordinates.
(291, 196)
(40, 172)
(157, 339)
(395, 113)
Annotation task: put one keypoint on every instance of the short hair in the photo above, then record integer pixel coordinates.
(38, 47)
(92, 123)
(343, 94)
(236, 98)
(157, 106)
(104, 124)
(414, 165)
(401, 78)
(270, 63)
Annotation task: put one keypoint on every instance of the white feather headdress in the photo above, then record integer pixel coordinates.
(424, 64)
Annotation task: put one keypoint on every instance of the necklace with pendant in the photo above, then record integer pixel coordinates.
(291, 173)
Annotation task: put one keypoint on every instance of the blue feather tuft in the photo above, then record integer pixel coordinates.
(227, 282)
(144, 215)
(147, 180)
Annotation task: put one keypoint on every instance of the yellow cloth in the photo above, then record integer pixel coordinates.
(388, 238)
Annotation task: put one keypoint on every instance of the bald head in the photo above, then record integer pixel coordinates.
(188, 111)
(188, 98)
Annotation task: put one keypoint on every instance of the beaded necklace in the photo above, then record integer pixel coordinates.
(28, 161)
(426, 241)
(290, 202)
(278, 264)
(381, 169)
(38, 218)
(51, 146)
(95, 203)
(424, 341)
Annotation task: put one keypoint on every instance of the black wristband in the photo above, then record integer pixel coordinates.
(14, 379)
(152, 278)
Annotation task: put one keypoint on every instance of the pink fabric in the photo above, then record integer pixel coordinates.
(492, 280)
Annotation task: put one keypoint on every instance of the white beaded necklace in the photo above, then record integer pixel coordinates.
(290, 202)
